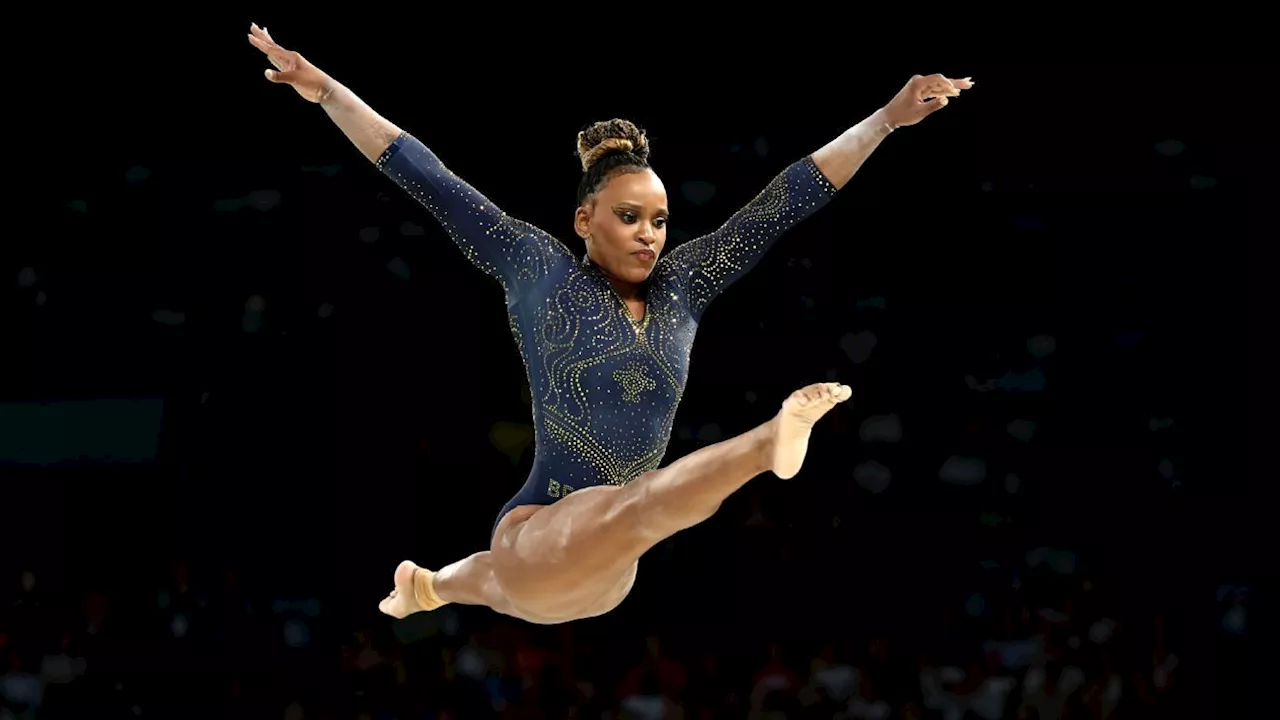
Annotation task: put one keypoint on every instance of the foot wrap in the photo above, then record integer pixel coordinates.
(424, 592)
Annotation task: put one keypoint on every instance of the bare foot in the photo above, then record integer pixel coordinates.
(403, 600)
(796, 419)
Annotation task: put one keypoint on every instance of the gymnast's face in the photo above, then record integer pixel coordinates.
(625, 225)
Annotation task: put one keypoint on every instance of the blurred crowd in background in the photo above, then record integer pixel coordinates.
(1052, 644)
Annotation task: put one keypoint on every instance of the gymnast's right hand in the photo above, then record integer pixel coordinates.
(290, 67)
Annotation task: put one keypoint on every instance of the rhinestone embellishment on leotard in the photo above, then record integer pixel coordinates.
(633, 381)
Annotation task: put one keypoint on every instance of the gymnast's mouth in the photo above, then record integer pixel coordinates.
(646, 254)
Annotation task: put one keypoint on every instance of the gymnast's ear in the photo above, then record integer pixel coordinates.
(582, 222)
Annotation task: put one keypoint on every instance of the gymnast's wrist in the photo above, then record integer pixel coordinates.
(882, 122)
(332, 93)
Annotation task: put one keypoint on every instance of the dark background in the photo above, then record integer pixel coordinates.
(249, 376)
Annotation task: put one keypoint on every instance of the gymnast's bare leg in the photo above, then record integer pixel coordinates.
(577, 558)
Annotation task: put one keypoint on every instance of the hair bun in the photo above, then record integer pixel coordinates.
(607, 137)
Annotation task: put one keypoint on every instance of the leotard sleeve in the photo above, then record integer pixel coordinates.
(705, 266)
(509, 250)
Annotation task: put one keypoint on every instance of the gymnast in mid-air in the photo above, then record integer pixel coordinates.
(605, 340)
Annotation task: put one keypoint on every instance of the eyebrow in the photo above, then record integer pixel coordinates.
(637, 206)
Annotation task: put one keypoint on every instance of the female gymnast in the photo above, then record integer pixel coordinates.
(605, 341)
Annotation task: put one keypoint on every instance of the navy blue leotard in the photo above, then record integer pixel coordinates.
(605, 386)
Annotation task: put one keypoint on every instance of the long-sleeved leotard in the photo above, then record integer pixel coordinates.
(605, 387)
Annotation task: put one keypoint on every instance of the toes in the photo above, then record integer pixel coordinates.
(821, 392)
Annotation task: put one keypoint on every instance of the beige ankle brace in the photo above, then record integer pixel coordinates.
(423, 591)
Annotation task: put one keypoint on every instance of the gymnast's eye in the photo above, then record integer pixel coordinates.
(660, 222)
(627, 216)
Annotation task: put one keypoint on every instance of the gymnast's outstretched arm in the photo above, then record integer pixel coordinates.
(707, 265)
(920, 97)
(512, 251)
(509, 250)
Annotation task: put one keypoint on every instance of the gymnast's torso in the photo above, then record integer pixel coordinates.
(605, 385)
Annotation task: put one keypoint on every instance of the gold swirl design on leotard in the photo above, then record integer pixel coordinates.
(581, 327)
(658, 316)
(706, 265)
(579, 332)
(609, 469)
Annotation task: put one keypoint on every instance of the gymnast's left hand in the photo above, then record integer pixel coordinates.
(922, 96)
(290, 67)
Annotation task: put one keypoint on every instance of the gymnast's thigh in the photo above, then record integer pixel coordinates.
(568, 551)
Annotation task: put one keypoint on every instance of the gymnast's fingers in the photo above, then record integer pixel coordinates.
(935, 104)
(940, 90)
(932, 86)
(278, 56)
(263, 45)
